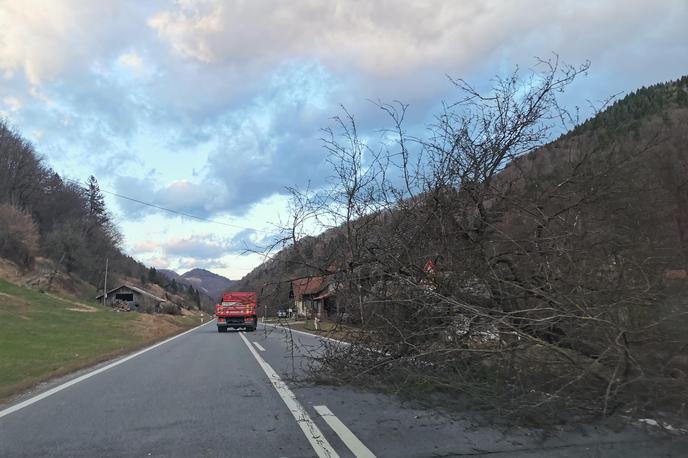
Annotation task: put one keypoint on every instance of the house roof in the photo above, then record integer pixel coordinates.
(307, 285)
(133, 288)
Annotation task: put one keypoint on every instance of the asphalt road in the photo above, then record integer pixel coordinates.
(210, 394)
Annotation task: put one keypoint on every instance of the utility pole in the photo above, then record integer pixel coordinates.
(105, 283)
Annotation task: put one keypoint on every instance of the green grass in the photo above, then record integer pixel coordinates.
(41, 338)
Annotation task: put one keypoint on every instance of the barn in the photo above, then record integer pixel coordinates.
(136, 298)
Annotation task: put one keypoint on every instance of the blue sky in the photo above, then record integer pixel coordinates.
(214, 107)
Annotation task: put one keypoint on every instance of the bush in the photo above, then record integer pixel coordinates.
(170, 308)
(18, 235)
(66, 243)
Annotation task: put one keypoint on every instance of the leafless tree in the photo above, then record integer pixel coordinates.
(535, 296)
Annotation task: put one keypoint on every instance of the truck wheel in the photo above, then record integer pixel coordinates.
(219, 329)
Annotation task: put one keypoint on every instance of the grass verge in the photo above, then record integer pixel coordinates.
(43, 336)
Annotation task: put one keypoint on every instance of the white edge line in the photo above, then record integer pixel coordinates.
(66, 385)
(323, 337)
(259, 346)
(350, 440)
(316, 438)
(286, 328)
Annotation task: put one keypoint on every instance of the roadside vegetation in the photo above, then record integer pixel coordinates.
(44, 335)
(557, 279)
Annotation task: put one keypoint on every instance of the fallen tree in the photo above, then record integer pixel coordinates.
(547, 286)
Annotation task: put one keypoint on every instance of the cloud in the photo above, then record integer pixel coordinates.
(195, 247)
(383, 37)
(131, 60)
(157, 262)
(43, 40)
(195, 263)
(120, 87)
(145, 247)
(376, 37)
(205, 247)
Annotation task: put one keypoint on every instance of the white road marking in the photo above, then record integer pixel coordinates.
(316, 438)
(259, 346)
(66, 385)
(350, 440)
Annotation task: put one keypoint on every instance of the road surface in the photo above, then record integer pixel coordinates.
(209, 394)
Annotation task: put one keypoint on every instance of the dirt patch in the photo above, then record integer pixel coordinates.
(76, 306)
(13, 300)
(87, 310)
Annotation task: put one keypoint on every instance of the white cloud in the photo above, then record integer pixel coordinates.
(44, 39)
(131, 60)
(386, 37)
(187, 28)
(12, 103)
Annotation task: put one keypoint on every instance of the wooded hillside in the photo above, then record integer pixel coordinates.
(43, 214)
(560, 266)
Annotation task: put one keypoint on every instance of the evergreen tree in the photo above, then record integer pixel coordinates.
(152, 275)
(96, 202)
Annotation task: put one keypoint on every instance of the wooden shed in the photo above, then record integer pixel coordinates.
(136, 298)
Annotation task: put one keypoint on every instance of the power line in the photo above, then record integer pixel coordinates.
(176, 212)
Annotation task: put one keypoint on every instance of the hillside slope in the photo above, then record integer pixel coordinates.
(45, 335)
(650, 122)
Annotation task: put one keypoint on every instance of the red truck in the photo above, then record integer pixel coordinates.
(237, 310)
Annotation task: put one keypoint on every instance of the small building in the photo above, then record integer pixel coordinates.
(136, 298)
(314, 296)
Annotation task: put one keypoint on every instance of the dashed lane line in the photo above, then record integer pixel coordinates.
(350, 440)
(315, 437)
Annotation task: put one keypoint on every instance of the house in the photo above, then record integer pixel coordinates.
(136, 298)
(314, 296)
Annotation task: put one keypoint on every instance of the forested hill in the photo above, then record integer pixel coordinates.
(639, 105)
(44, 215)
(654, 117)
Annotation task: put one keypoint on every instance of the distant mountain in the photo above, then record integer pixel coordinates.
(170, 274)
(209, 282)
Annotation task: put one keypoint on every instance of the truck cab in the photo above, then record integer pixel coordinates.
(237, 310)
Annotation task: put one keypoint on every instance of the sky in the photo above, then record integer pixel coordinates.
(214, 108)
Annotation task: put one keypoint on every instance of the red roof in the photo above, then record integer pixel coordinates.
(308, 285)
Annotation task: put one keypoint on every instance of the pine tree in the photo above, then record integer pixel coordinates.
(96, 202)
(152, 275)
